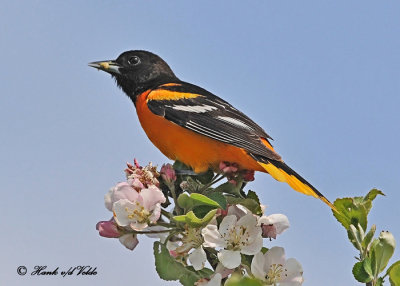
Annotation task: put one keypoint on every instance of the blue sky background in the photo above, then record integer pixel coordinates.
(321, 77)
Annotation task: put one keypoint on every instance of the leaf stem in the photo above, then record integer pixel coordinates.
(153, 231)
(216, 179)
(166, 224)
(173, 193)
(166, 213)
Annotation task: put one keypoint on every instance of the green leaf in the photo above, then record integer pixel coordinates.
(362, 271)
(367, 200)
(394, 274)
(219, 198)
(178, 165)
(368, 237)
(191, 219)
(205, 177)
(379, 282)
(229, 188)
(349, 213)
(169, 269)
(202, 211)
(264, 250)
(252, 195)
(238, 280)
(356, 236)
(188, 278)
(372, 194)
(382, 250)
(188, 202)
(355, 210)
(250, 204)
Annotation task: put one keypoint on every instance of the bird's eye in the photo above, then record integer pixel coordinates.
(134, 61)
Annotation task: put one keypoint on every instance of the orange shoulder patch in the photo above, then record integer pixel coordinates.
(165, 94)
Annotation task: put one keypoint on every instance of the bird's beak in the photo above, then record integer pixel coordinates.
(107, 66)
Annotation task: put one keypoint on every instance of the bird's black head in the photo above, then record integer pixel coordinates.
(137, 71)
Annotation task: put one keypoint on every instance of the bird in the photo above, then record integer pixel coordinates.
(192, 125)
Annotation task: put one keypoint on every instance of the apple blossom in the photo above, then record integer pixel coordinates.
(234, 237)
(273, 225)
(140, 209)
(189, 243)
(273, 269)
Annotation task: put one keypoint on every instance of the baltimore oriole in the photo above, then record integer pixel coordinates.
(190, 124)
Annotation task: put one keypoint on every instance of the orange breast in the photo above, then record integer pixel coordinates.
(178, 143)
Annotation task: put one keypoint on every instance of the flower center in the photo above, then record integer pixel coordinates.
(140, 214)
(275, 273)
(237, 238)
(192, 238)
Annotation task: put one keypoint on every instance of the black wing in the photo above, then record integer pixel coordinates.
(213, 117)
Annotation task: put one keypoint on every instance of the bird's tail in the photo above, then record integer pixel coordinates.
(283, 173)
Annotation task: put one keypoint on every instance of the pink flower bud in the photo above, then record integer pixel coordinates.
(108, 229)
(228, 168)
(268, 231)
(168, 173)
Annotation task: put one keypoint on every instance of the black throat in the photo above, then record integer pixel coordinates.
(133, 90)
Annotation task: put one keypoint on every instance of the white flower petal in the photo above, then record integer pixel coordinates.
(257, 266)
(294, 273)
(225, 272)
(129, 240)
(121, 209)
(152, 196)
(275, 255)
(263, 208)
(124, 191)
(249, 221)
(238, 211)
(172, 245)
(253, 233)
(280, 222)
(108, 200)
(227, 224)
(139, 226)
(198, 258)
(215, 280)
(253, 247)
(212, 238)
(155, 215)
(229, 258)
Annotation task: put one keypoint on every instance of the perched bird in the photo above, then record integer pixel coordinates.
(192, 125)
